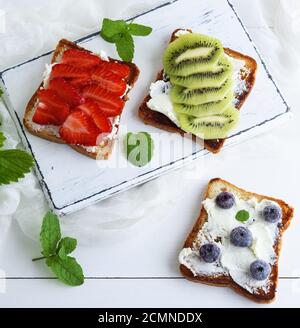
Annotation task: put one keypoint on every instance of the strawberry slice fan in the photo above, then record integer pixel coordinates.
(84, 95)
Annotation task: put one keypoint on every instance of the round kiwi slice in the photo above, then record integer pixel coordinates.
(211, 79)
(199, 96)
(210, 108)
(192, 53)
(210, 127)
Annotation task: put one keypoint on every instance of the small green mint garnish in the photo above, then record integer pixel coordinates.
(56, 250)
(242, 215)
(120, 33)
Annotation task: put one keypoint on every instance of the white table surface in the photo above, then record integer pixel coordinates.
(140, 269)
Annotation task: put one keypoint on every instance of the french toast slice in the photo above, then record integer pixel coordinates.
(261, 294)
(161, 121)
(102, 151)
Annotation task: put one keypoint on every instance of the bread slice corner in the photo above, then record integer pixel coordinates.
(104, 150)
(159, 120)
(215, 186)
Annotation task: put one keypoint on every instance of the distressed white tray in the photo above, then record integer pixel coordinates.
(72, 181)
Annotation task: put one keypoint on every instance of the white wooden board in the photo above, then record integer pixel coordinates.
(72, 181)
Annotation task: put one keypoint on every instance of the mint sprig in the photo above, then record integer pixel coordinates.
(120, 33)
(55, 251)
(1, 92)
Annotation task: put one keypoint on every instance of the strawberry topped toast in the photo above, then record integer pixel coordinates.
(80, 101)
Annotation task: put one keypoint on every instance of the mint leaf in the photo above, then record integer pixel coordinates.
(14, 163)
(120, 33)
(139, 30)
(62, 253)
(112, 39)
(112, 27)
(125, 47)
(2, 139)
(50, 234)
(67, 270)
(139, 148)
(1, 92)
(68, 244)
(56, 250)
(242, 215)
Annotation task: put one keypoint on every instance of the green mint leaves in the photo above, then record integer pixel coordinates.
(139, 30)
(139, 148)
(14, 163)
(120, 33)
(56, 249)
(125, 47)
(1, 92)
(242, 215)
(50, 234)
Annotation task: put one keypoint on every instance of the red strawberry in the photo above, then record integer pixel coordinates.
(43, 116)
(80, 58)
(91, 108)
(79, 129)
(68, 72)
(66, 91)
(54, 104)
(121, 70)
(108, 80)
(80, 82)
(109, 103)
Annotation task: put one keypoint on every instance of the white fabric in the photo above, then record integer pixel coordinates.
(33, 27)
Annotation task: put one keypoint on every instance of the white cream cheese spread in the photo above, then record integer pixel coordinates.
(160, 100)
(181, 32)
(234, 261)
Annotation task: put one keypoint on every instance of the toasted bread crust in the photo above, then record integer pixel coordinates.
(161, 121)
(106, 149)
(227, 281)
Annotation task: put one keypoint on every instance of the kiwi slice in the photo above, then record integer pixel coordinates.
(211, 79)
(210, 108)
(192, 53)
(199, 96)
(210, 127)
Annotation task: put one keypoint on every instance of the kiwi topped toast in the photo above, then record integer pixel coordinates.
(80, 101)
(236, 241)
(200, 90)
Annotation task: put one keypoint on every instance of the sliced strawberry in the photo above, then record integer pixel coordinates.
(43, 116)
(54, 104)
(91, 108)
(81, 82)
(66, 91)
(106, 79)
(109, 103)
(68, 72)
(79, 129)
(121, 70)
(80, 58)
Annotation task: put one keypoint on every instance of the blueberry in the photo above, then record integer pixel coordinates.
(260, 270)
(241, 236)
(272, 213)
(209, 252)
(225, 200)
